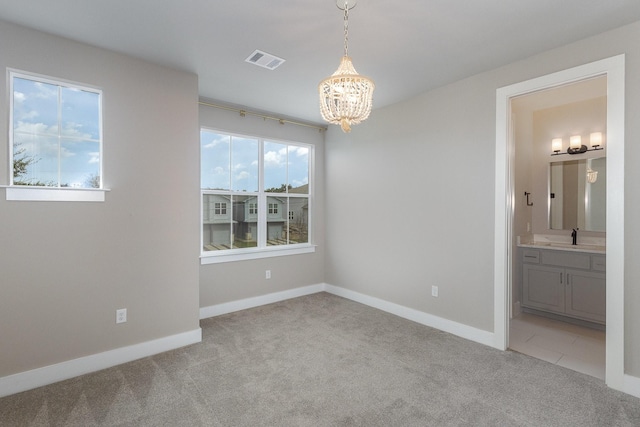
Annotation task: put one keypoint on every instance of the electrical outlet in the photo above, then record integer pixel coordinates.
(434, 291)
(267, 274)
(121, 315)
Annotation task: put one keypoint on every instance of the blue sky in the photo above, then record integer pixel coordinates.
(237, 167)
(59, 128)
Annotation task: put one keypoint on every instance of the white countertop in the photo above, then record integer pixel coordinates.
(565, 247)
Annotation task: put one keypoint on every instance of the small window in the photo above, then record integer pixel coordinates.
(55, 134)
(220, 209)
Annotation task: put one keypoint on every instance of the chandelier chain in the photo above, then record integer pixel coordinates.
(346, 29)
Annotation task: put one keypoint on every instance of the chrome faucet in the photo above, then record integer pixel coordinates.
(574, 236)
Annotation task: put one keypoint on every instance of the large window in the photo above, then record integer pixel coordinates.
(55, 131)
(260, 183)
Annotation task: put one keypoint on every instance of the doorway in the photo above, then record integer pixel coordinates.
(613, 69)
(551, 320)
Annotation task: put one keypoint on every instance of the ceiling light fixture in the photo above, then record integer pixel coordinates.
(346, 97)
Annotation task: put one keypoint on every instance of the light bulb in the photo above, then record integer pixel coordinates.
(575, 142)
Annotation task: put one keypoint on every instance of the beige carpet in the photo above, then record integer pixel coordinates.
(321, 360)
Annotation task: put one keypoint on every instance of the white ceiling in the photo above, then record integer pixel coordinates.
(406, 46)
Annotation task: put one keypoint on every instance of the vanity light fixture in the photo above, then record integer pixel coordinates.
(575, 144)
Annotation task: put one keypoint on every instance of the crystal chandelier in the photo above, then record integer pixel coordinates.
(346, 97)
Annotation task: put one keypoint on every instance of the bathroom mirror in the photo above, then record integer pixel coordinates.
(578, 194)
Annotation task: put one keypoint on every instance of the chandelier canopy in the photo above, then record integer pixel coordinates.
(346, 97)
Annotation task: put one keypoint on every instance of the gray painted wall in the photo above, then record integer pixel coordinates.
(436, 153)
(66, 267)
(232, 281)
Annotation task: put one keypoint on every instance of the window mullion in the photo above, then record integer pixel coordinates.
(59, 136)
(262, 199)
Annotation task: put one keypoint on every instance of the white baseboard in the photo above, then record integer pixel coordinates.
(243, 304)
(455, 328)
(61, 371)
(28, 380)
(516, 310)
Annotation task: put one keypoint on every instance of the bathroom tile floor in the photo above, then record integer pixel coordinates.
(574, 347)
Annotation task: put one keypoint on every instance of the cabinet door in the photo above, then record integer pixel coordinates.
(543, 287)
(586, 295)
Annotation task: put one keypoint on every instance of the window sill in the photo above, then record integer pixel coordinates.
(249, 254)
(49, 194)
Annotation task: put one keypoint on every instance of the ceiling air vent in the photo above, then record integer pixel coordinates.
(264, 59)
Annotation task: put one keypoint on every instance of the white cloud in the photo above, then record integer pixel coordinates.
(19, 103)
(29, 115)
(275, 158)
(243, 175)
(94, 157)
(66, 153)
(73, 130)
(297, 183)
(299, 151)
(35, 128)
(46, 91)
(39, 138)
(218, 170)
(19, 97)
(217, 139)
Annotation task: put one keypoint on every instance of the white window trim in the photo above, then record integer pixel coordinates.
(53, 194)
(229, 255)
(257, 253)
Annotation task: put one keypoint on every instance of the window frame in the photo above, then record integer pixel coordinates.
(239, 254)
(45, 193)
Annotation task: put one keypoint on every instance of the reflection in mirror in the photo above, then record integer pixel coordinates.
(578, 194)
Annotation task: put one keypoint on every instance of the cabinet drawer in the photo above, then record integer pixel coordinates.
(531, 256)
(567, 259)
(598, 262)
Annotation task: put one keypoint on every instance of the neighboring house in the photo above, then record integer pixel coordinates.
(219, 211)
(299, 207)
(246, 217)
(216, 216)
(299, 215)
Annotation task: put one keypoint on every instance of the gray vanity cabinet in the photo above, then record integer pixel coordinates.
(567, 283)
(543, 288)
(586, 295)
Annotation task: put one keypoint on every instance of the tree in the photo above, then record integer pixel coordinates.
(282, 189)
(93, 181)
(21, 163)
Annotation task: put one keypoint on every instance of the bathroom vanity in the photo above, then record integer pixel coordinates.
(564, 280)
